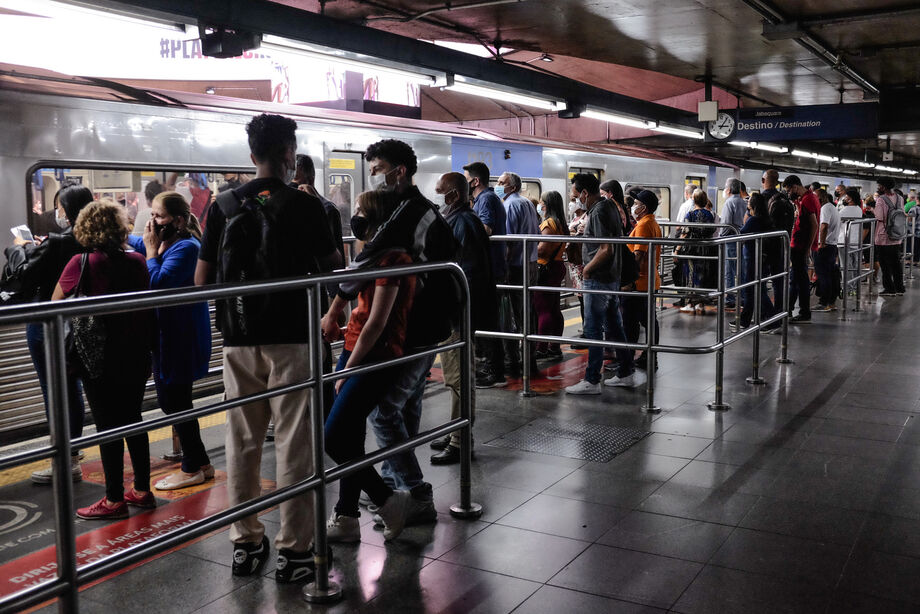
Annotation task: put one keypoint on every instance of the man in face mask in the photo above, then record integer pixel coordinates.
(476, 262)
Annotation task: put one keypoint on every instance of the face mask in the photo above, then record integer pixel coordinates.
(500, 191)
(62, 221)
(637, 211)
(165, 231)
(359, 227)
(573, 207)
(378, 182)
(583, 203)
(439, 202)
(470, 183)
(542, 211)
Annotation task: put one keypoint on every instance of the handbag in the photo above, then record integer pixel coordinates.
(85, 339)
(573, 254)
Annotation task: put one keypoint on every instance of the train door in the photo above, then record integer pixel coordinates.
(344, 181)
(696, 180)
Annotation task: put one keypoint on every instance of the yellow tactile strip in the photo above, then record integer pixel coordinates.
(24, 472)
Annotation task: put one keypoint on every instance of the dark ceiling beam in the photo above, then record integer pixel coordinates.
(848, 17)
(778, 25)
(299, 25)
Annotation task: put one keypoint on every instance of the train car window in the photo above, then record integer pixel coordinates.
(127, 187)
(341, 191)
(575, 170)
(663, 193)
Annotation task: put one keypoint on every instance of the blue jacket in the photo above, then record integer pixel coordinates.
(184, 348)
(491, 210)
(522, 219)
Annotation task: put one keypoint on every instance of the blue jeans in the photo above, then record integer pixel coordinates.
(397, 418)
(596, 320)
(345, 432)
(35, 339)
(731, 268)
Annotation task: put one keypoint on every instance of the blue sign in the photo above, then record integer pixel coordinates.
(826, 121)
(500, 157)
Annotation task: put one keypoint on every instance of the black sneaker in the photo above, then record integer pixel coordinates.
(488, 380)
(249, 558)
(295, 567)
(800, 319)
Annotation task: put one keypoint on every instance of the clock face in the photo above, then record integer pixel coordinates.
(723, 126)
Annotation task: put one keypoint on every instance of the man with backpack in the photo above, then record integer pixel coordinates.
(264, 230)
(889, 233)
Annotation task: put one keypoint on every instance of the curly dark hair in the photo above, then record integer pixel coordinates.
(270, 136)
(102, 225)
(395, 152)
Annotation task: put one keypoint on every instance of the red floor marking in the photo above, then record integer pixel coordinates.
(159, 468)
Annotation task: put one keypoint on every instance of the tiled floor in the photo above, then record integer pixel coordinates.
(803, 498)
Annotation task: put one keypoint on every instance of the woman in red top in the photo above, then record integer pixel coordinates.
(116, 391)
(376, 331)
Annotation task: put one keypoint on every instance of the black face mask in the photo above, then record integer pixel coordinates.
(165, 231)
(359, 227)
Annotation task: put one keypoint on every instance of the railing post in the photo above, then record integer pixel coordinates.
(784, 338)
(650, 337)
(738, 294)
(846, 268)
(908, 262)
(755, 378)
(65, 539)
(718, 404)
(872, 225)
(525, 329)
(466, 508)
(321, 590)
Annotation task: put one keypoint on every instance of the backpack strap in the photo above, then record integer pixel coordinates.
(229, 203)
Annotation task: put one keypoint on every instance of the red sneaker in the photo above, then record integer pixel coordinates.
(146, 501)
(101, 510)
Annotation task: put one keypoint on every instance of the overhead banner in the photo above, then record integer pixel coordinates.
(826, 121)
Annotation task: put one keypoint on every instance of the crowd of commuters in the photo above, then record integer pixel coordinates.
(276, 225)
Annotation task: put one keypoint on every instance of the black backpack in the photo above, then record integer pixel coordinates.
(248, 251)
(782, 212)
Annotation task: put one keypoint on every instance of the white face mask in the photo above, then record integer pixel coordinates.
(637, 211)
(375, 182)
(541, 209)
(438, 201)
(61, 219)
(573, 207)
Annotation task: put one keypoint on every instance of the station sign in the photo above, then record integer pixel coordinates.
(817, 122)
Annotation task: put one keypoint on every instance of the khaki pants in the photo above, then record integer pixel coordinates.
(450, 366)
(253, 369)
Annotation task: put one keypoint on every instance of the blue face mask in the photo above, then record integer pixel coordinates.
(500, 191)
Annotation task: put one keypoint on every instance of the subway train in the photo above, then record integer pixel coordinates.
(115, 140)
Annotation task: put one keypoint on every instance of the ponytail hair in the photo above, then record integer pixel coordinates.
(176, 206)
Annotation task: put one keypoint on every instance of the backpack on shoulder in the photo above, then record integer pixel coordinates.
(895, 219)
(782, 213)
(248, 251)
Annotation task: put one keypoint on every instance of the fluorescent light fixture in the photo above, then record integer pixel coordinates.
(275, 43)
(909, 172)
(504, 96)
(858, 163)
(741, 143)
(768, 147)
(546, 58)
(687, 132)
(888, 169)
(613, 118)
(816, 156)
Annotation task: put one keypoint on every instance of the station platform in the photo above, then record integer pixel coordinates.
(803, 497)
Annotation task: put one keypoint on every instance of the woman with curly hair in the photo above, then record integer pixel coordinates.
(116, 390)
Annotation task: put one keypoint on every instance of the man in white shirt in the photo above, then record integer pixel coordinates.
(826, 268)
(851, 210)
(679, 272)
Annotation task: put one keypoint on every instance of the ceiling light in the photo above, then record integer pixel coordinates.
(61, 10)
(741, 143)
(687, 132)
(546, 58)
(369, 65)
(505, 96)
(816, 156)
(768, 147)
(613, 118)
(210, 90)
(858, 163)
(909, 172)
(888, 169)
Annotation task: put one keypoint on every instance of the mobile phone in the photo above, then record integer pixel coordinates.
(23, 233)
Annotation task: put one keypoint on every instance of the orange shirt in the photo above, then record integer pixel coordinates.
(647, 227)
(392, 341)
(554, 230)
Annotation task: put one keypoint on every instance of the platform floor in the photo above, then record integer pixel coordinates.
(804, 497)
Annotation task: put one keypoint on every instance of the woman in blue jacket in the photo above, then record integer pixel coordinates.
(171, 242)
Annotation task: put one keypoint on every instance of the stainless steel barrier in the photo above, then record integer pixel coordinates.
(651, 345)
(908, 253)
(53, 315)
(858, 251)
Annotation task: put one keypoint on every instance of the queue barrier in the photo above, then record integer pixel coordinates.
(908, 252)
(651, 345)
(856, 254)
(54, 315)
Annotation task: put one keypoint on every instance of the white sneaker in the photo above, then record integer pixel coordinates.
(394, 513)
(636, 379)
(584, 387)
(44, 476)
(342, 529)
(688, 308)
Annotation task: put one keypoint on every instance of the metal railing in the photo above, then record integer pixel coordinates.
(53, 316)
(651, 345)
(857, 252)
(908, 252)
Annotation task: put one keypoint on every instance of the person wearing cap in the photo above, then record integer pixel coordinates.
(635, 308)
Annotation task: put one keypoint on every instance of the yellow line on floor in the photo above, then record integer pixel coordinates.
(24, 472)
